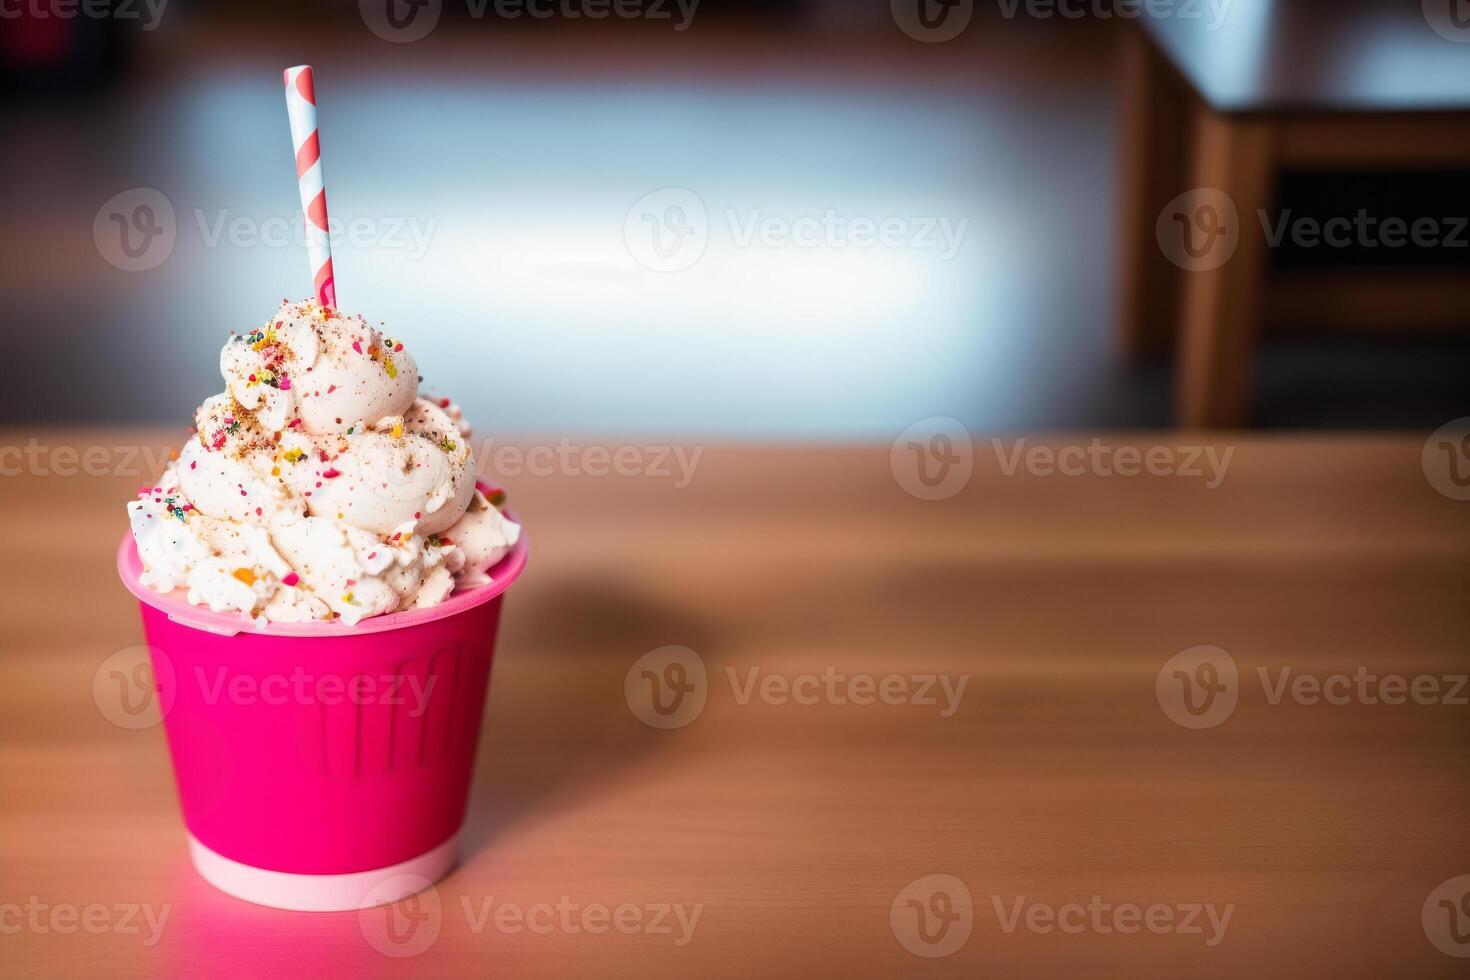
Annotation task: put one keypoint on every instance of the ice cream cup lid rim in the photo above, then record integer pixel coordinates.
(130, 568)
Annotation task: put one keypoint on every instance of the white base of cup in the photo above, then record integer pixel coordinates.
(321, 893)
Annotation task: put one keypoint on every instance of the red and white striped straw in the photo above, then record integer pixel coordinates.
(301, 108)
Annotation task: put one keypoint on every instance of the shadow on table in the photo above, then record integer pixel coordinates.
(557, 724)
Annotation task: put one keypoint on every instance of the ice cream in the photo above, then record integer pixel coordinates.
(319, 484)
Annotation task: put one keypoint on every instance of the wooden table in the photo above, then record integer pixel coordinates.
(795, 827)
(1216, 108)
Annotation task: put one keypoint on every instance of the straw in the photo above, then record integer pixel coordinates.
(301, 108)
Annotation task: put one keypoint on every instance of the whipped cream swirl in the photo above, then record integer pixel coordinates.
(320, 485)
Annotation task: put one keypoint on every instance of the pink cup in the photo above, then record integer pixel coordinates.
(317, 762)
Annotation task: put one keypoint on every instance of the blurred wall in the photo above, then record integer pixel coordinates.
(774, 220)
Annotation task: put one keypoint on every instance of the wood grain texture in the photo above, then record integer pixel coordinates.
(796, 826)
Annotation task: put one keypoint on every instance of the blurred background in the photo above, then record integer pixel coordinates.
(785, 219)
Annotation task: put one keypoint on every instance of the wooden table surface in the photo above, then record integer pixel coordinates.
(797, 830)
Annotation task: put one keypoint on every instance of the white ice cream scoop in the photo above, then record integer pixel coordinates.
(325, 368)
(318, 484)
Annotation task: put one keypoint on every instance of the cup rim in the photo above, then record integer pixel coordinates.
(180, 610)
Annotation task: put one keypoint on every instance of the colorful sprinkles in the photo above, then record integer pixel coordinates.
(245, 426)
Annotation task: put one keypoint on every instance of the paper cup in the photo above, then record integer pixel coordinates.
(315, 761)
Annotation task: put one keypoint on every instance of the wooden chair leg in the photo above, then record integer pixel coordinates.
(1158, 111)
(1223, 303)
